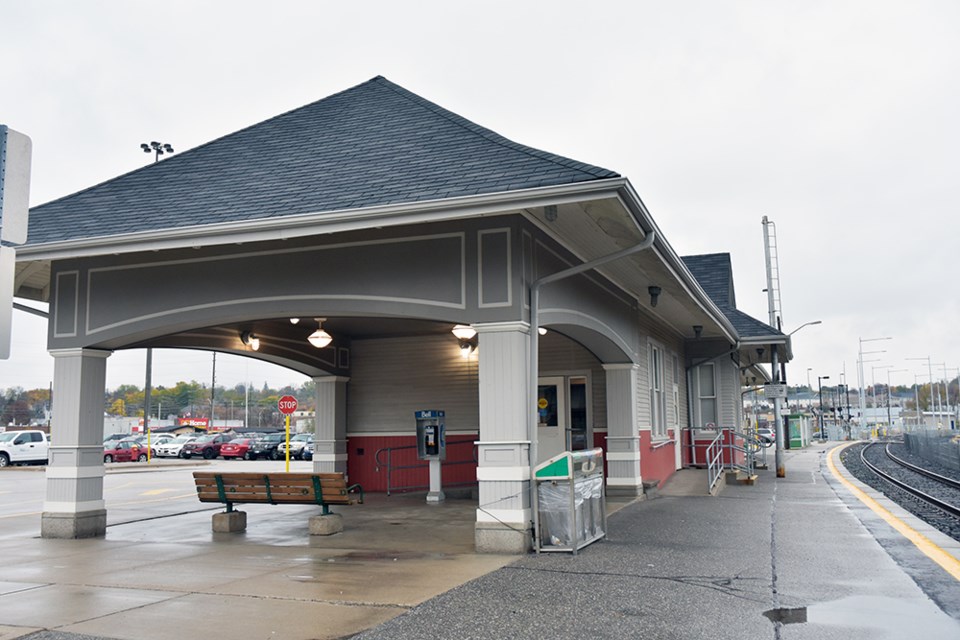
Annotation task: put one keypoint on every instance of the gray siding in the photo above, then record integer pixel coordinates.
(392, 378)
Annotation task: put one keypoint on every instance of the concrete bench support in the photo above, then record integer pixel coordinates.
(326, 525)
(230, 522)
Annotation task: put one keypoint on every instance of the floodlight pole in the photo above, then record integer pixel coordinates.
(862, 400)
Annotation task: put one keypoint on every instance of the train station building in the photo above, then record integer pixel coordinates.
(382, 222)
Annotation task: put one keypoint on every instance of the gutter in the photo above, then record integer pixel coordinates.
(322, 222)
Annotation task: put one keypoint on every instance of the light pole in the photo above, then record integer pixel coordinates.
(820, 393)
(809, 387)
(158, 148)
(863, 403)
(890, 397)
(873, 384)
(930, 371)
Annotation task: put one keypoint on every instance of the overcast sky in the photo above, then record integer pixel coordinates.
(837, 120)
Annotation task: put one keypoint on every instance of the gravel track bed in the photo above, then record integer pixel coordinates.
(950, 525)
(901, 451)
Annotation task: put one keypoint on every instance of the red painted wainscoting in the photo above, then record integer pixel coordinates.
(657, 464)
(362, 467)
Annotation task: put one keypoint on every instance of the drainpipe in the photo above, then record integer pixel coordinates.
(535, 353)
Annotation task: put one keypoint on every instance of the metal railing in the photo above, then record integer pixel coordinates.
(715, 462)
(388, 465)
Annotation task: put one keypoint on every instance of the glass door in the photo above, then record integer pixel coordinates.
(552, 417)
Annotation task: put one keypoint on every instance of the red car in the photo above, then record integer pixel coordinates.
(125, 451)
(237, 448)
(207, 446)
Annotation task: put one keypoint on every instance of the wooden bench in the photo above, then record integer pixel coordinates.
(322, 489)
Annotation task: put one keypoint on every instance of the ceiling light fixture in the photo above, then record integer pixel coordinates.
(294, 320)
(320, 338)
(467, 337)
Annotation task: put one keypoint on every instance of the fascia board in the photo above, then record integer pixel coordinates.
(632, 202)
(319, 223)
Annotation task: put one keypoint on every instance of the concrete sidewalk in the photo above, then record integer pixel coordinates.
(680, 566)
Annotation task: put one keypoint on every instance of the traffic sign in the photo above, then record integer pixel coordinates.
(287, 405)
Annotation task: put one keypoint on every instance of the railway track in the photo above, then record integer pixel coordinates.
(931, 496)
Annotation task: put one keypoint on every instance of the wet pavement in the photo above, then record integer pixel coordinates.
(796, 557)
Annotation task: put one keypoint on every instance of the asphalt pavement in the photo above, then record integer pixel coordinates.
(796, 557)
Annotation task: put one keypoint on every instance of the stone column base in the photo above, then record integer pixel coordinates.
(625, 491)
(85, 524)
(326, 525)
(494, 537)
(230, 522)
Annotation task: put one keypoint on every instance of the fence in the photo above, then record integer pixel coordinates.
(942, 448)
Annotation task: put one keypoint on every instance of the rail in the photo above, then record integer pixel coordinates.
(715, 462)
(390, 467)
(952, 509)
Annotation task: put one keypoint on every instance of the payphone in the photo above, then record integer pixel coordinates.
(432, 446)
(431, 435)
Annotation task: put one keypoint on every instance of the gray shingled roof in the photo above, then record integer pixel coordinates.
(714, 272)
(374, 144)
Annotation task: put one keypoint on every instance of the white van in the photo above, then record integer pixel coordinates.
(23, 446)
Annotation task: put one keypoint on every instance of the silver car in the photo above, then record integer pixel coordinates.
(171, 448)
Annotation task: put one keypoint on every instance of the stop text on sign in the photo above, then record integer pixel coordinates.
(287, 405)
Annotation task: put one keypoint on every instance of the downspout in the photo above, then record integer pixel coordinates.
(534, 363)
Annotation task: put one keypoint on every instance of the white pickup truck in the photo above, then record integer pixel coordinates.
(23, 446)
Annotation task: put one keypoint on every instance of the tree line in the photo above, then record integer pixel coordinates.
(183, 400)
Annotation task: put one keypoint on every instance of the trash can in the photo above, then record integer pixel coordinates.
(571, 506)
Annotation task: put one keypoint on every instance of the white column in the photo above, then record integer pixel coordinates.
(330, 425)
(623, 433)
(504, 518)
(74, 506)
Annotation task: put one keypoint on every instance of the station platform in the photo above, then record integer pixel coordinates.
(803, 556)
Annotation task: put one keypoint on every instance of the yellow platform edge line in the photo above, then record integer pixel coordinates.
(926, 546)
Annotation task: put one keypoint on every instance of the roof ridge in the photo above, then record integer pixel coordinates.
(493, 136)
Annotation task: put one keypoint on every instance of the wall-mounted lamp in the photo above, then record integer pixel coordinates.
(550, 212)
(697, 331)
(542, 331)
(250, 340)
(654, 292)
(466, 336)
(320, 338)
(294, 320)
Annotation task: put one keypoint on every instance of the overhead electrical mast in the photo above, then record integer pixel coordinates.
(776, 321)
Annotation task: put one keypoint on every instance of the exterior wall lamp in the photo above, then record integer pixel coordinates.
(320, 338)
(467, 337)
(654, 292)
(250, 340)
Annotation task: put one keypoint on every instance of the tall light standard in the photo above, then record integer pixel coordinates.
(158, 149)
(809, 387)
(890, 397)
(781, 432)
(930, 371)
(823, 433)
(873, 384)
(863, 403)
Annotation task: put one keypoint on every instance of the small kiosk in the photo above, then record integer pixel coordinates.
(570, 501)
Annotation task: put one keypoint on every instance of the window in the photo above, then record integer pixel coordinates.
(657, 403)
(707, 392)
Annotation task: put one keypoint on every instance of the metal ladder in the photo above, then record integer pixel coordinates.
(773, 273)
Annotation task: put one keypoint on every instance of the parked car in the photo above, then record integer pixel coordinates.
(126, 451)
(207, 446)
(297, 443)
(767, 436)
(307, 452)
(30, 445)
(237, 448)
(266, 447)
(114, 437)
(171, 448)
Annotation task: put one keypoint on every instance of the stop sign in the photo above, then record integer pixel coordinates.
(287, 405)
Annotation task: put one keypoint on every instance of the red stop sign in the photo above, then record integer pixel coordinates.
(287, 405)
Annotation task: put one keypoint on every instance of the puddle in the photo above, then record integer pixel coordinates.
(890, 617)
